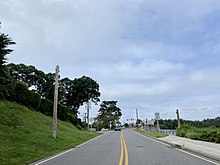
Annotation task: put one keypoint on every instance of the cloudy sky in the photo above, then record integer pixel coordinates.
(155, 56)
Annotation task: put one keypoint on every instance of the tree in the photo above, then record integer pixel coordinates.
(5, 41)
(28, 74)
(81, 90)
(39, 81)
(48, 86)
(64, 86)
(72, 93)
(5, 80)
(108, 112)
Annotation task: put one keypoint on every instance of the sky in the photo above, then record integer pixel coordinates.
(153, 56)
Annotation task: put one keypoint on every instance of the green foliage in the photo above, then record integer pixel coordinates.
(72, 93)
(81, 90)
(168, 124)
(5, 41)
(46, 107)
(26, 135)
(183, 130)
(73, 119)
(108, 112)
(23, 96)
(206, 123)
(41, 82)
(6, 87)
(79, 127)
(63, 112)
(204, 134)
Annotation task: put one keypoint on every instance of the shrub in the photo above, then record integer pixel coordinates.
(46, 107)
(79, 127)
(73, 119)
(22, 95)
(217, 140)
(193, 135)
(182, 131)
(208, 134)
(62, 112)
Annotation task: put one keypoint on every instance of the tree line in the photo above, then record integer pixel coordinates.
(72, 93)
(206, 123)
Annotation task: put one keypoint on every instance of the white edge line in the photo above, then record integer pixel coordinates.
(43, 161)
(198, 156)
(180, 149)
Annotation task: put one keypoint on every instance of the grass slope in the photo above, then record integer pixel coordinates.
(26, 135)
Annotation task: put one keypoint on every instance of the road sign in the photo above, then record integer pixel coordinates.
(157, 116)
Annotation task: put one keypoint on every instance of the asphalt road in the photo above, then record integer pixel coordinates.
(123, 148)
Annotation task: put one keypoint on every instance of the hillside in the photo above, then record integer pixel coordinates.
(26, 135)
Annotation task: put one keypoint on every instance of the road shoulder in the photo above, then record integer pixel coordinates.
(207, 149)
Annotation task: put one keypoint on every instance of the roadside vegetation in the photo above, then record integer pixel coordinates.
(205, 130)
(26, 135)
(151, 134)
(204, 134)
(206, 123)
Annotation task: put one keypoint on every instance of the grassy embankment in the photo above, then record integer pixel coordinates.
(26, 136)
(151, 134)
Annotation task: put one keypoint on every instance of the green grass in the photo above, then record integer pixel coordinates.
(26, 136)
(151, 134)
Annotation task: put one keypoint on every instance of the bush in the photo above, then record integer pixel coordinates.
(79, 127)
(34, 100)
(217, 140)
(182, 131)
(207, 134)
(73, 119)
(62, 112)
(193, 135)
(46, 107)
(22, 95)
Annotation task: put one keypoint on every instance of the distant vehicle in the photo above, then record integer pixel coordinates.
(118, 127)
(104, 129)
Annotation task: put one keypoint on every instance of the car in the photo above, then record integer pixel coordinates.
(118, 128)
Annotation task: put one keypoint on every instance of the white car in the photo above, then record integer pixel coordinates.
(118, 128)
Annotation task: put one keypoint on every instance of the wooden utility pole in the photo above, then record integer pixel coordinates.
(178, 118)
(87, 114)
(54, 124)
(157, 118)
(137, 121)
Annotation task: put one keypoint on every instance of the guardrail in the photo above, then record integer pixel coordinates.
(166, 131)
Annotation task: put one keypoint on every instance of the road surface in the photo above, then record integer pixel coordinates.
(124, 148)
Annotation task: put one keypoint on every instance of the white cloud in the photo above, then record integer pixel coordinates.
(150, 55)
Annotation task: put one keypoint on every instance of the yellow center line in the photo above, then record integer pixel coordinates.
(123, 148)
(126, 152)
